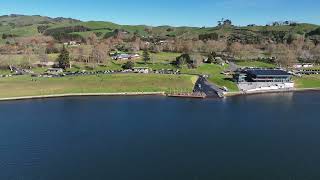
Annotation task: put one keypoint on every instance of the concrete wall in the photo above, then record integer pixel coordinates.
(264, 86)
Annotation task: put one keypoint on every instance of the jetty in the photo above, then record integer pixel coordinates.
(187, 95)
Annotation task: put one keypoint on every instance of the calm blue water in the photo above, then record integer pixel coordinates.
(261, 137)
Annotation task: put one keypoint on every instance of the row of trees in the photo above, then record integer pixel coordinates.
(96, 51)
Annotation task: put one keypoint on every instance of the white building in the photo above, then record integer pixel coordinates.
(143, 70)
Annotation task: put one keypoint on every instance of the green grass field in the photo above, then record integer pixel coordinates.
(164, 57)
(317, 67)
(26, 86)
(255, 64)
(158, 61)
(307, 81)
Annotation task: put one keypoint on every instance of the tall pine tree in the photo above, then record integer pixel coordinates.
(64, 59)
(146, 56)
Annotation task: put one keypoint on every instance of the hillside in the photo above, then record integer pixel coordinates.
(24, 26)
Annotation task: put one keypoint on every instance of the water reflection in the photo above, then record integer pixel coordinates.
(270, 136)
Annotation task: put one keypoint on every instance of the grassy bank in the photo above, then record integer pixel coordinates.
(307, 81)
(259, 64)
(215, 76)
(19, 86)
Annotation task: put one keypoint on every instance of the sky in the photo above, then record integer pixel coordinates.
(170, 12)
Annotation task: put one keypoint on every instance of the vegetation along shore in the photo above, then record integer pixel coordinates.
(48, 57)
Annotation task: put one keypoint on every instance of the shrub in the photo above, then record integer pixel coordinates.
(42, 28)
(69, 29)
(52, 50)
(210, 36)
(5, 36)
(128, 65)
(183, 59)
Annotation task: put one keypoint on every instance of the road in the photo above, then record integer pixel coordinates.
(211, 90)
(233, 66)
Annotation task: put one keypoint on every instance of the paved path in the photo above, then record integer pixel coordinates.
(233, 66)
(211, 90)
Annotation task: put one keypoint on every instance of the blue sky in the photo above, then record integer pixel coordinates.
(170, 12)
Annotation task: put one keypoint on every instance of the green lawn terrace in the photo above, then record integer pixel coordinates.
(307, 81)
(163, 60)
(5, 72)
(315, 67)
(255, 64)
(20, 86)
(308, 76)
(214, 71)
(161, 57)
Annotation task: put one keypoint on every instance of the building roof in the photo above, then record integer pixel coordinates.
(268, 72)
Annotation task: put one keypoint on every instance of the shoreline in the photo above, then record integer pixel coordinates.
(83, 95)
(230, 94)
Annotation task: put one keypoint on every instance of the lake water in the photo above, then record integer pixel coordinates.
(259, 137)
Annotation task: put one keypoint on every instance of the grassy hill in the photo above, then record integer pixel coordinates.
(22, 26)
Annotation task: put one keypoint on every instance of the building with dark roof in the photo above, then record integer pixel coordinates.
(263, 75)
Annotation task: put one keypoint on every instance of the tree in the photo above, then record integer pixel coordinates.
(284, 55)
(168, 47)
(156, 49)
(209, 36)
(64, 58)
(80, 55)
(316, 54)
(220, 22)
(51, 48)
(5, 61)
(99, 53)
(198, 46)
(183, 59)
(28, 54)
(135, 45)
(146, 56)
(92, 39)
(187, 46)
(25, 64)
(195, 60)
(215, 46)
(43, 57)
(235, 49)
(243, 51)
(210, 59)
(128, 65)
(224, 22)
